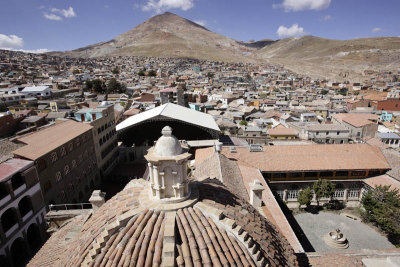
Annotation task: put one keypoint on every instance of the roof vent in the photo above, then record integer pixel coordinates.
(232, 149)
(256, 148)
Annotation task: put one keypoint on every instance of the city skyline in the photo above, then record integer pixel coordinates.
(44, 25)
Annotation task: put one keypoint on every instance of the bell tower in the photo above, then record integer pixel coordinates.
(167, 162)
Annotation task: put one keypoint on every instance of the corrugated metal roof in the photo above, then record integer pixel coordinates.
(172, 111)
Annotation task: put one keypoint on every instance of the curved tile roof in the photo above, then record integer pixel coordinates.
(219, 230)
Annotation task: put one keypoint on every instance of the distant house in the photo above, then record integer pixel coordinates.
(361, 126)
(281, 132)
(386, 116)
(390, 139)
(37, 91)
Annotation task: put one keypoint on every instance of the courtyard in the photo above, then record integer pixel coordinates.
(359, 235)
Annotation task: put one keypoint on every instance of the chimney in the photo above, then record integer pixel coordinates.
(97, 199)
(256, 189)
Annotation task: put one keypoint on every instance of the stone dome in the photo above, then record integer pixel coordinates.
(167, 145)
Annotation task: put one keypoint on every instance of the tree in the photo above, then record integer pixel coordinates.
(98, 86)
(324, 92)
(115, 71)
(305, 196)
(243, 122)
(152, 73)
(76, 71)
(142, 72)
(382, 206)
(323, 188)
(210, 75)
(115, 86)
(89, 85)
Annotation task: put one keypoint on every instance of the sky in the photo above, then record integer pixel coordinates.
(58, 25)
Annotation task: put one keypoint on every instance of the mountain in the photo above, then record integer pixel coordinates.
(329, 58)
(169, 35)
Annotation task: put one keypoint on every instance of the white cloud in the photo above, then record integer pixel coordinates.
(67, 13)
(52, 16)
(294, 30)
(200, 22)
(58, 14)
(163, 5)
(376, 29)
(32, 51)
(10, 41)
(327, 17)
(298, 5)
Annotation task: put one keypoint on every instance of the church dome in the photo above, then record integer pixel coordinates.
(129, 230)
(167, 145)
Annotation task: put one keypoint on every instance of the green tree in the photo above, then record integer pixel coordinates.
(324, 92)
(152, 73)
(76, 71)
(142, 72)
(115, 71)
(323, 188)
(305, 197)
(115, 86)
(89, 85)
(210, 75)
(243, 122)
(98, 86)
(382, 206)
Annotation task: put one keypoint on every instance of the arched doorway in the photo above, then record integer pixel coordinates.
(19, 253)
(25, 206)
(9, 219)
(33, 237)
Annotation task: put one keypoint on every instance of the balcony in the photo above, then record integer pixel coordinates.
(27, 216)
(5, 199)
(20, 189)
(11, 230)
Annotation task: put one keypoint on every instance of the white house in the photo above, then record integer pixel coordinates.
(37, 91)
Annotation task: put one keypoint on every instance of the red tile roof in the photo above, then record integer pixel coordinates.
(311, 157)
(42, 142)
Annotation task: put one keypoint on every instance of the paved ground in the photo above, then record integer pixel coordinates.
(360, 236)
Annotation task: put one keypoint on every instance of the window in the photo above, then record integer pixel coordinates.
(292, 194)
(41, 164)
(63, 151)
(54, 157)
(58, 177)
(327, 133)
(66, 169)
(317, 133)
(353, 193)
(70, 146)
(339, 194)
(73, 164)
(86, 154)
(80, 158)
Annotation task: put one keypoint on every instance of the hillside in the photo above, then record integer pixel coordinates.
(168, 35)
(334, 58)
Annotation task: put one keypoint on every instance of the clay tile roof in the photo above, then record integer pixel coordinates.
(384, 180)
(282, 131)
(42, 142)
(311, 157)
(213, 232)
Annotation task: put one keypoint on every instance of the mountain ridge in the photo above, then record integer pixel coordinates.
(169, 35)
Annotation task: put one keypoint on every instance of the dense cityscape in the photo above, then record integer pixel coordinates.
(118, 160)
